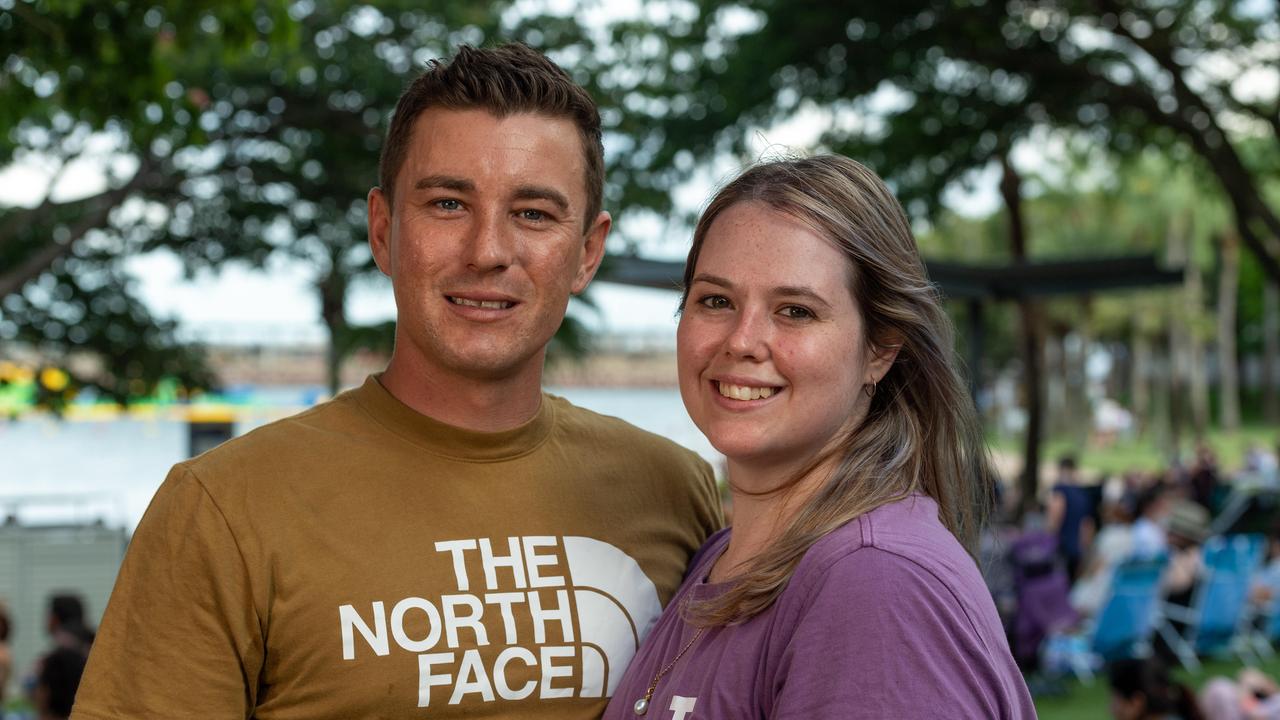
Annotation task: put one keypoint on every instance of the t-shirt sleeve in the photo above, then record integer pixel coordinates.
(876, 636)
(181, 636)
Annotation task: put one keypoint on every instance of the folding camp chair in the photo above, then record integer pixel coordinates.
(1123, 626)
(1216, 620)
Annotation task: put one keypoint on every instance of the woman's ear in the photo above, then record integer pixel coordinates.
(881, 354)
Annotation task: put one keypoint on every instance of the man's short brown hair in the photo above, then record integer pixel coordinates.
(503, 80)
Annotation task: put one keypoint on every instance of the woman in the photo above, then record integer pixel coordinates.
(815, 355)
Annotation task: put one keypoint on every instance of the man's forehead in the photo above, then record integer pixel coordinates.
(476, 146)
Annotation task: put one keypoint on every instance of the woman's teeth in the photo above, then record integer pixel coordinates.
(743, 392)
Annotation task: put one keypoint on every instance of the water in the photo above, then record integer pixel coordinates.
(53, 471)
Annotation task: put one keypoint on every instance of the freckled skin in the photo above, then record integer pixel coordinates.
(483, 235)
(741, 325)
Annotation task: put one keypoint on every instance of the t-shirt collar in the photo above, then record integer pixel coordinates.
(451, 441)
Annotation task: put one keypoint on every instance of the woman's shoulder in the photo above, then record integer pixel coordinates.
(908, 529)
(897, 548)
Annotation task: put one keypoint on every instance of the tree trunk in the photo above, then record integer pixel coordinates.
(1193, 347)
(1228, 375)
(1177, 363)
(333, 295)
(1140, 379)
(1079, 403)
(1032, 343)
(1053, 356)
(1271, 351)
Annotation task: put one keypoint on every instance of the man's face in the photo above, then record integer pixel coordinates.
(485, 243)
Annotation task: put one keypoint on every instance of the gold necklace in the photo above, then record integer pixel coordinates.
(642, 705)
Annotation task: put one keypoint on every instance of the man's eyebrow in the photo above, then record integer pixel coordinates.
(447, 182)
(779, 291)
(540, 192)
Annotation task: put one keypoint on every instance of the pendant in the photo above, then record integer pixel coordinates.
(642, 706)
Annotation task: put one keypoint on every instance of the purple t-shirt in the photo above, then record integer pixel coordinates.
(887, 617)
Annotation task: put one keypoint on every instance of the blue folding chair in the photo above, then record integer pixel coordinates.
(1217, 618)
(1124, 624)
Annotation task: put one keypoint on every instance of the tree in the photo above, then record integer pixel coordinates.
(80, 76)
(252, 130)
(929, 91)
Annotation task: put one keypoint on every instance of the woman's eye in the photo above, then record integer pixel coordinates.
(796, 312)
(715, 302)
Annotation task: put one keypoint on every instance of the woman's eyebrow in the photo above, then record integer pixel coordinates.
(779, 291)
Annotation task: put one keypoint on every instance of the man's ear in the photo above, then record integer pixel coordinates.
(380, 229)
(592, 251)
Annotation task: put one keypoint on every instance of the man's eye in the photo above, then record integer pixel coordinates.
(797, 312)
(532, 215)
(448, 204)
(715, 302)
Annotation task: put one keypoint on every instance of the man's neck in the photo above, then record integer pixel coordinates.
(490, 405)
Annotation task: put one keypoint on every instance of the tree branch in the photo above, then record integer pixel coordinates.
(98, 210)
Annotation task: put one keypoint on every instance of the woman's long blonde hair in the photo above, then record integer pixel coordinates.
(921, 433)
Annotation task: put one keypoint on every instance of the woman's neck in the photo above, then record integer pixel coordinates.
(759, 520)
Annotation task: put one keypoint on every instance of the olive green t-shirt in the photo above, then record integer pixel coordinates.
(363, 560)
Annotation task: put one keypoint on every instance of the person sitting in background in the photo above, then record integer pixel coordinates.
(1252, 696)
(1151, 511)
(1204, 478)
(1112, 546)
(1265, 587)
(1142, 689)
(56, 683)
(1261, 466)
(1188, 526)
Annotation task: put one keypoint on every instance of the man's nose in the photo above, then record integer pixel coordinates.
(492, 244)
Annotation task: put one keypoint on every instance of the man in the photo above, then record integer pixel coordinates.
(445, 540)
(1071, 515)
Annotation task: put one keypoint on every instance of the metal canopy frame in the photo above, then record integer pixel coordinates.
(976, 284)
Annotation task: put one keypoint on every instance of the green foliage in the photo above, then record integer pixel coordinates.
(254, 128)
(931, 91)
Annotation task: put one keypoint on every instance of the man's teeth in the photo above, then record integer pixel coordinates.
(742, 392)
(489, 304)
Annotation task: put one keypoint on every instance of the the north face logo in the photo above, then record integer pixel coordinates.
(532, 616)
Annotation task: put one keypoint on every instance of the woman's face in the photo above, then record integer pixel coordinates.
(771, 346)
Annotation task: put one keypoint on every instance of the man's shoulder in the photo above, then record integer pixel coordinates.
(287, 439)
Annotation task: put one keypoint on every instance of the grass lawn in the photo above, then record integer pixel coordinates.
(1143, 454)
(1091, 702)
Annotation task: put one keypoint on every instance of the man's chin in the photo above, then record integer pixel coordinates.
(494, 365)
